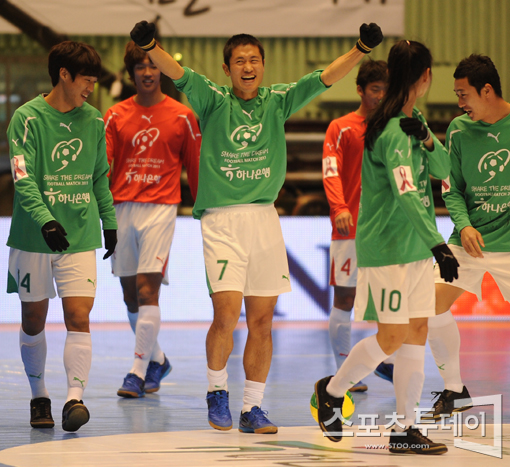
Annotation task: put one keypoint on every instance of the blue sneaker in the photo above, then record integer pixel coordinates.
(219, 414)
(359, 387)
(255, 421)
(385, 371)
(133, 386)
(155, 373)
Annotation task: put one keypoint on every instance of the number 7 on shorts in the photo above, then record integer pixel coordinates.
(224, 262)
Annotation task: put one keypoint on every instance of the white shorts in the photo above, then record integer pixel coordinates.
(395, 294)
(343, 263)
(244, 250)
(31, 275)
(144, 239)
(472, 270)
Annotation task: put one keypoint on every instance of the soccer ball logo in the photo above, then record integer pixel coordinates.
(145, 139)
(494, 162)
(65, 151)
(245, 135)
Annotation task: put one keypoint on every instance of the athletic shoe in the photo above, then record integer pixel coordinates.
(155, 373)
(74, 415)
(256, 421)
(445, 404)
(40, 413)
(133, 386)
(385, 371)
(329, 410)
(359, 387)
(218, 412)
(412, 441)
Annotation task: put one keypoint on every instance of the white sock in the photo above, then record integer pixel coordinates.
(362, 360)
(444, 341)
(157, 354)
(253, 395)
(147, 329)
(390, 359)
(340, 334)
(408, 377)
(33, 355)
(77, 361)
(217, 380)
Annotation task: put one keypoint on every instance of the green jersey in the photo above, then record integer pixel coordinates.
(59, 167)
(396, 223)
(243, 158)
(477, 192)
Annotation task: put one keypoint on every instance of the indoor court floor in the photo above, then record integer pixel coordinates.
(170, 428)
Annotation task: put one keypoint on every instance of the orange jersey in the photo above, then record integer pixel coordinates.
(341, 168)
(147, 147)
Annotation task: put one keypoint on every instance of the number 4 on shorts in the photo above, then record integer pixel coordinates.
(224, 262)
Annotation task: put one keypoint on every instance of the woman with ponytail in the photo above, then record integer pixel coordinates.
(396, 239)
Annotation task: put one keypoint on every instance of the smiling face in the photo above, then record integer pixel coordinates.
(246, 71)
(147, 77)
(474, 104)
(76, 92)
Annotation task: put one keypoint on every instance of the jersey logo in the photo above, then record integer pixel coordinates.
(147, 118)
(404, 179)
(128, 176)
(496, 137)
(329, 167)
(493, 162)
(18, 168)
(400, 152)
(245, 135)
(15, 142)
(445, 185)
(66, 126)
(66, 150)
(51, 195)
(248, 113)
(145, 139)
(229, 171)
(330, 146)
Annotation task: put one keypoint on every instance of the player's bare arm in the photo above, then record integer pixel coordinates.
(471, 240)
(370, 36)
(343, 223)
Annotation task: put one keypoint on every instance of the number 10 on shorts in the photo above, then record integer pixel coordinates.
(390, 300)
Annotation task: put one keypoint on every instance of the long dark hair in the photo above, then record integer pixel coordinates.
(407, 61)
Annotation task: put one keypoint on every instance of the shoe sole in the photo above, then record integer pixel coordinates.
(383, 376)
(151, 390)
(76, 417)
(435, 451)
(335, 439)
(362, 388)
(267, 430)
(129, 394)
(43, 424)
(221, 428)
(437, 417)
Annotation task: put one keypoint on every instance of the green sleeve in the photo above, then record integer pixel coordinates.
(398, 160)
(101, 185)
(21, 144)
(454, 195)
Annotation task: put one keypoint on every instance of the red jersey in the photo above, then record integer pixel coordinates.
(341, 168)
(147, 147)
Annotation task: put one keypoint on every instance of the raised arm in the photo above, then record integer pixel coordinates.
(370, 37)
(143, 36)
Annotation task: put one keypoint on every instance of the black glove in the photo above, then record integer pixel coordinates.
(447, 263)
(55, 236)
(110, 240)
(370, 36)
(414, 127)
(143, 35)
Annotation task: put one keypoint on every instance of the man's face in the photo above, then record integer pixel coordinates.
(76, 92)
(147, 77)
(372, 94)
(474, 104)
(246, 71)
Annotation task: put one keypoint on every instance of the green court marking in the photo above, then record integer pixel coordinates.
(302, 445)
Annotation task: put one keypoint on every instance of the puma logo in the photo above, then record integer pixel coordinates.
(441, 367)
(139, 355)
(80, 380)
(66, 126)
(399, 152)
(285, 277)
(249, 114)
(446, 255)
(15, 142)
(496, 137)
(147, 118)
(36, 376)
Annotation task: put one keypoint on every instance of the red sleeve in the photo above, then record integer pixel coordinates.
(110, 140)
(190, 152)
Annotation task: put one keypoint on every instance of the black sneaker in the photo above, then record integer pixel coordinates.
(445, 404)
(330, 420)
(74, 415)
(40, 413)
(412, 441)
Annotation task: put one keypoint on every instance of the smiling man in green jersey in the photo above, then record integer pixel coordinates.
(477, 195)
(58, 160)
(242, 168)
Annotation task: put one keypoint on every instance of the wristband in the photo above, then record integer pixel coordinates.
(362, 47)
(149, 46)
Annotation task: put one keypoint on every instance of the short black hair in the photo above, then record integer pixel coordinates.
(237, 40)
(479, 70)
(76, 58)
(371, 71)
(133, 55)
